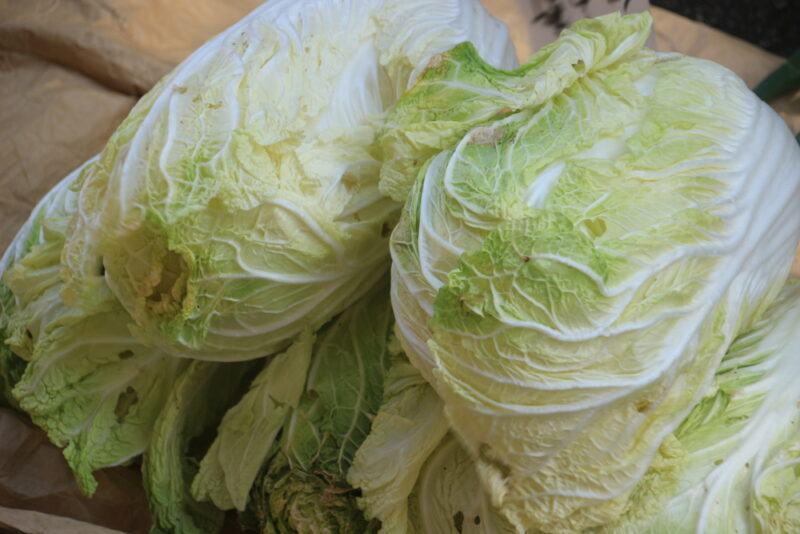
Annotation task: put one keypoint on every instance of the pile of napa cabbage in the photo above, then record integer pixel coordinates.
(587, 327)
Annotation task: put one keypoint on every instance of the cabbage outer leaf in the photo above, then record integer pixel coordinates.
(323, 413)
(196, 404)
(448, 498)
(407, 429)
(78, 372)
(248, 430)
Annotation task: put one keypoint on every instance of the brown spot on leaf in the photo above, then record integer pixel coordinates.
(435, 61)
(486, 135)
(167, 296)
(126, 400)
(458, 521)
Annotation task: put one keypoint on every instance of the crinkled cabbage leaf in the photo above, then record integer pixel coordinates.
(182, 434)
(407, 429)
(735, 460)
(77, 371)
(247, 433)
(585, 237)
(238, 204)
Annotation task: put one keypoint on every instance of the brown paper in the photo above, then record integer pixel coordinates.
(69, 72)
(29, 522)
(126, 45)
(51, 120)
(34, 476)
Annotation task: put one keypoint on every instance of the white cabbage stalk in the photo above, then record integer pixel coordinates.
(586, 236)
(238, 203)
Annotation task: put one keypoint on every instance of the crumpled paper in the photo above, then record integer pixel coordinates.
(34, 476)
(69, 73)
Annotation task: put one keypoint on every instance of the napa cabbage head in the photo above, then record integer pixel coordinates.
(582, 240)
(238, 203)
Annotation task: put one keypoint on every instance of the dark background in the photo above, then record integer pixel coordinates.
(771, 24)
